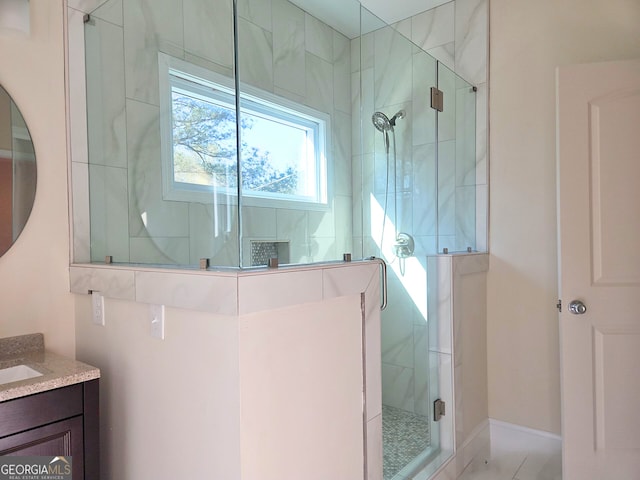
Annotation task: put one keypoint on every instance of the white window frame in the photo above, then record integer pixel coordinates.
(209, 85)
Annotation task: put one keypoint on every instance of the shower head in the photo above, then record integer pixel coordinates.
(381, 122)
(400, 114)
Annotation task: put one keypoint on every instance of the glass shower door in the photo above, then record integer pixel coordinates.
(397, 164)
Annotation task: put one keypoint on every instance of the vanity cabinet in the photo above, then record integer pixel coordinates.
(63, 422)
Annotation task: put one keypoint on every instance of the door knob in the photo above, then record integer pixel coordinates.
(577, 307)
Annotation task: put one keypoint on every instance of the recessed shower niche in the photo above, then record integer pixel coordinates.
(283, 129)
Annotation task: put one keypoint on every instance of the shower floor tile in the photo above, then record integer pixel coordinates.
(404, 436)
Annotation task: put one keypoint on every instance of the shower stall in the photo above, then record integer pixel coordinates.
(230, 133)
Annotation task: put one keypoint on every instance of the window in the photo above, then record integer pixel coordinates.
(283, 144)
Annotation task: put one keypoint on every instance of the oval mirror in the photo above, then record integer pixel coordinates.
(17, 172)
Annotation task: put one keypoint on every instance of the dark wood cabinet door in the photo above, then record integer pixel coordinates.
(64, 438)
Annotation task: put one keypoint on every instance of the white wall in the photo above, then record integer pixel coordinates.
(34, 278)
(528, 40)
(274, 394)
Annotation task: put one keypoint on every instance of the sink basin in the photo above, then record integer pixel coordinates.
(17, 373)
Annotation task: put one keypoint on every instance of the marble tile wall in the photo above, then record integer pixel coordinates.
(441, 184)
(282, 50)
(456, 34)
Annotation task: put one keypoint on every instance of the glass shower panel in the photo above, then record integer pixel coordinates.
(296, 117)
(399, 203)
(456, 163)
(161, 149)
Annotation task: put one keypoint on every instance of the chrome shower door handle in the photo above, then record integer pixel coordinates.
(577, 307)
(383, 282)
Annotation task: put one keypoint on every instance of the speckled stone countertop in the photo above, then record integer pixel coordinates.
(57, 371)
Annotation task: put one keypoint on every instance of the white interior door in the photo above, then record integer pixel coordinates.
(599, 255)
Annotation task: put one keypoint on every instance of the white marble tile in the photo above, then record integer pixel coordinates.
(393, 69)
(357, 115)
(516, 454)
(322, 223)
(292, 226)
(149, 213)
(446, 188)
(256, 11)
(290, 95)
(368, 132)
(351, 280)
(423, 404)
(341, 73)
(208, 30)
(318, 38)
(111, 283)
(355, 55)
(440, 321)
(446, 241)
(209, 293)
(110, 11)
(341, 127)
(424, 117)
(447, 118)
(449, 472)
(404, 27)
(77, 84)
(466, 136)
(471, 40)
(367, 51)
(323, 249)
(109, 213)
(374, 448)
(159, 250)
(319, 81)
(424, 190)
(445, 54)
(148, 28)
(213, 234)
(81, 212)
(546, 465)
(444, 365)
(278, 290)
(465, 198)
(434, 27)
(477, 443)
(468, 264)
(255, 56)
(397, 341)
(227, 71)
(106, 118)
(343, 218)
(426, 245)
(85, 6)
(397, 387)
(289, 55)
(405, 213)
(259, 223)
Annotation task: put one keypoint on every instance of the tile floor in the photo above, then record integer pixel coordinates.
(404, 436)
(515, 454)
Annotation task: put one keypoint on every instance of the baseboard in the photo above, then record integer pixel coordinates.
(520, 428)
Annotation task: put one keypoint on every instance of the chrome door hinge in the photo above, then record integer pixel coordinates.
(437, 99)
(559, 306)
(439, 410)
